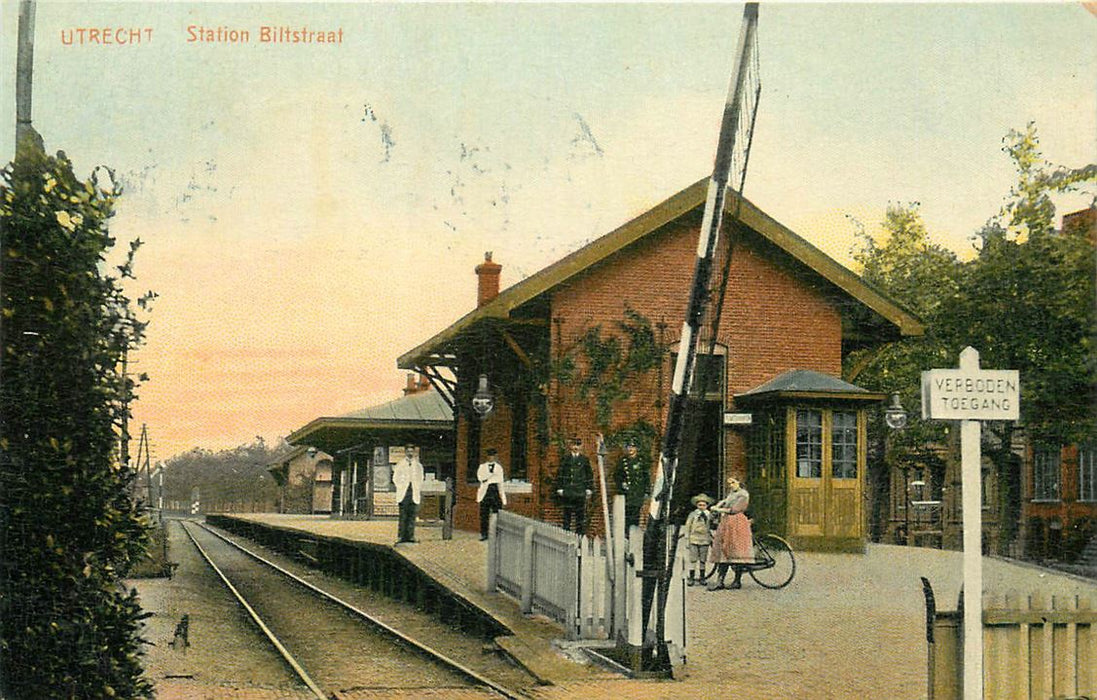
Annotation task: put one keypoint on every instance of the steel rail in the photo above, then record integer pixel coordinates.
(286, 655)
(433, 654)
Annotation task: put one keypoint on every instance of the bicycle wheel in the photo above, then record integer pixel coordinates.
(773, 548)
(711, 570)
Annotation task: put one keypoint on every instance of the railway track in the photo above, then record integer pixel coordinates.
(337, 649)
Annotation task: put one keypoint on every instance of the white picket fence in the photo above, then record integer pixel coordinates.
(577, 581)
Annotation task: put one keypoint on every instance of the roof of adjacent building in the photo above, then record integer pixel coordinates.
(806, 383)
(293, 454)
(421, 410)
(678, 205)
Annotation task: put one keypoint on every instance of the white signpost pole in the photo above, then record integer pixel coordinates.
(970, 467)
(970, 394)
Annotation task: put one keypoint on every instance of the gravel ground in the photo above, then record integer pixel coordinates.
(226, 658)
(849, 626)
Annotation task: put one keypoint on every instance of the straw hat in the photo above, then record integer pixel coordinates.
(701, 497)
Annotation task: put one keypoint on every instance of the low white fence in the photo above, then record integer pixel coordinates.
(592, 589)
(534, 562)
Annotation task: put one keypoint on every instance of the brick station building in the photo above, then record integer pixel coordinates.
(587, 345)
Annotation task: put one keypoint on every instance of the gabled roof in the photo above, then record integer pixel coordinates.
(423, 410)
(805, 383)
(678, 205)
(293, 454)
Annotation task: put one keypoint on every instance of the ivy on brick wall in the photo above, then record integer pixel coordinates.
(605, 368)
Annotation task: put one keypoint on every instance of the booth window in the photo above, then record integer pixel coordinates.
(1045, 474)
(1087, 473)
(843, 441)
(809, 444)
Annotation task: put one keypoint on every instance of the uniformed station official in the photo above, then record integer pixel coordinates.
(633, 477)
(574, 485)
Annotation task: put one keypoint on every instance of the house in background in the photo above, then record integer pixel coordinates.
(304, 477)
(587, 346)
(366, 443)
(1059, 481)
(1058, 484)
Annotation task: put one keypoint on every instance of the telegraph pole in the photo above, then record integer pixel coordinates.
(24, 71)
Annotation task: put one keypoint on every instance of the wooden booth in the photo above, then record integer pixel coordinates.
(806, 459)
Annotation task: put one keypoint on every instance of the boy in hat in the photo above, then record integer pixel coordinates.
(490, 494)
(574, 485)
(698, 534)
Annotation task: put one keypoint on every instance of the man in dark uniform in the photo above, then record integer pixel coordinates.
(633, 478)
(574, 485)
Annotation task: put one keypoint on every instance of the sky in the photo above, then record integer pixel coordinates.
(309, 212)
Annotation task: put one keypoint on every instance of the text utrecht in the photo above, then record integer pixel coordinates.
(106, 36)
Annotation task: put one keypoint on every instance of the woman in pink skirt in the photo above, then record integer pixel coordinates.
(732, 542)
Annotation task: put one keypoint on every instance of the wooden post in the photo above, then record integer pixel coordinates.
(620, 586)
(493, 553)
(24, 72)
(447, 510)
(525, 570)
(572, 612)
(632, 581)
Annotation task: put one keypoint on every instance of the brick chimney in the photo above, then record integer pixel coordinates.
(487, 287)
(416, 383)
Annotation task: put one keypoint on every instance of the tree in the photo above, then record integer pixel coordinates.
(70, 526)
(228, 480)
(922, 276)
(1026, 302)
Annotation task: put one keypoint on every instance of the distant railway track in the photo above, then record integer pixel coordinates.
(335, 648)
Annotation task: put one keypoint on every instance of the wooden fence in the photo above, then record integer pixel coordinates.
(593, 591)
(1034, 648)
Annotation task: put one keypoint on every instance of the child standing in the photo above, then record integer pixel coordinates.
(698, 534)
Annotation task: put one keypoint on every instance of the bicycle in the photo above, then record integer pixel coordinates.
(774, 563)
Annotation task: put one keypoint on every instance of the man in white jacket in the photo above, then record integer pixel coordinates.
(490, 495)
(407, 476)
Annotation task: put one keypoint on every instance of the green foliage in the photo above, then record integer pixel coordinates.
(923, 277)
(70, 528)
(603, 368)
(1027, 300)
(229, 480)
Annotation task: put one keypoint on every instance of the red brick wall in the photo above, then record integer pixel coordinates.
(494, 432)
(772, 322)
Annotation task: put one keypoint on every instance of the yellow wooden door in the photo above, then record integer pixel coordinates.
(826, 473)
(843, 476)
(807, 493)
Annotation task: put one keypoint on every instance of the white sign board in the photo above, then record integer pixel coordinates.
(737, 418)
(971, 394)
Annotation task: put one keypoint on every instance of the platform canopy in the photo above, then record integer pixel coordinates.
(398, 420)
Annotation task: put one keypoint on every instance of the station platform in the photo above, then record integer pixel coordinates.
(848, 626)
